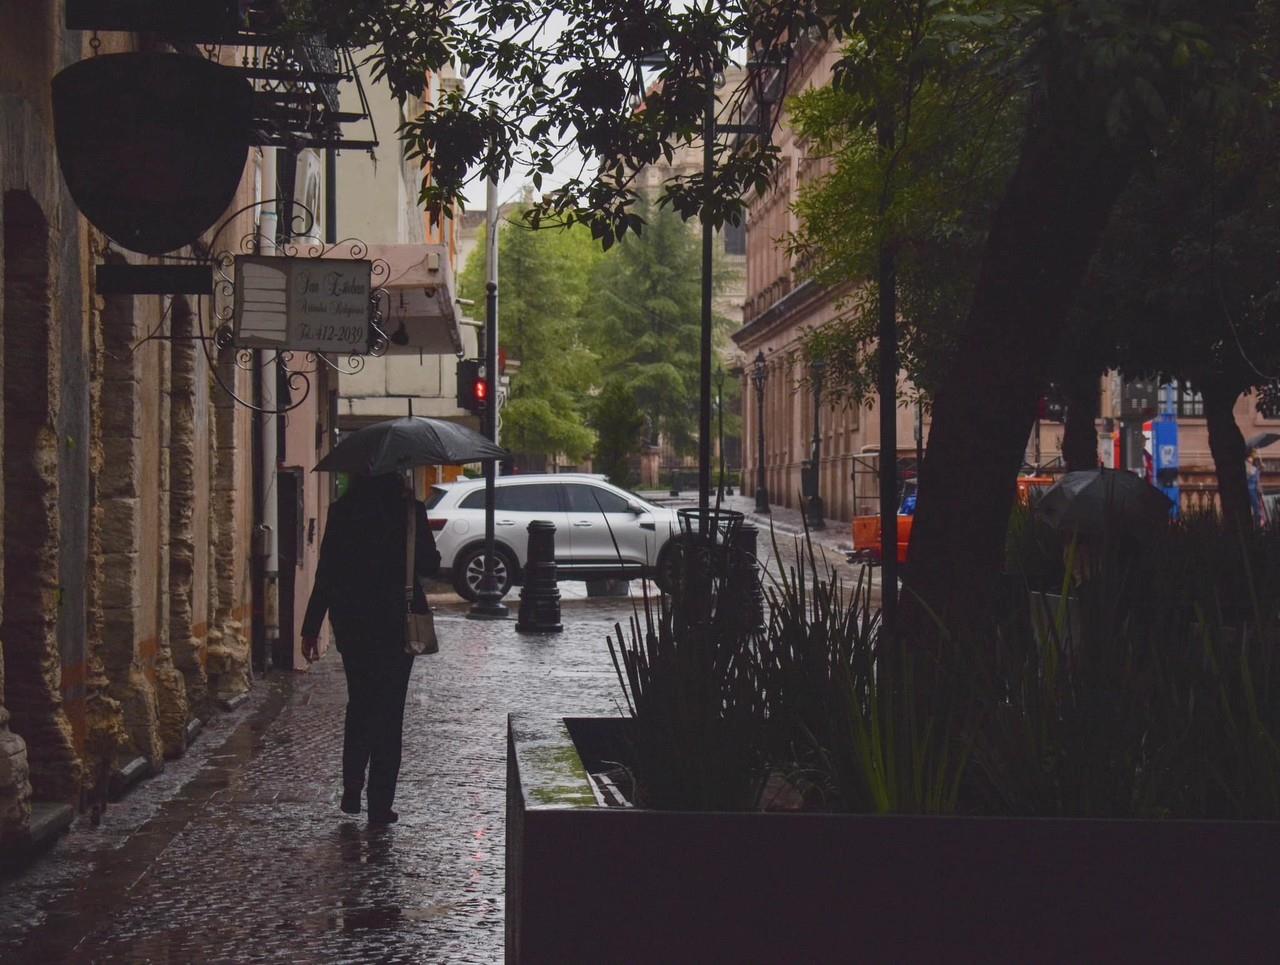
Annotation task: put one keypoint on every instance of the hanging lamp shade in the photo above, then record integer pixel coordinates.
(152, 145)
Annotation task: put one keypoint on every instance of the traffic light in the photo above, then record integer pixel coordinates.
(473, 389)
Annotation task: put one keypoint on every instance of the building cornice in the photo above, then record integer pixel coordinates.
(782, 312)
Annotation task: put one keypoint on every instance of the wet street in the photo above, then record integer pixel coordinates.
(238, 851)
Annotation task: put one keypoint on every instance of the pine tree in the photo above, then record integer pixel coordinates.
(646, 319)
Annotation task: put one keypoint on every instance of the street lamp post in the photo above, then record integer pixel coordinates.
(719, 434)
(488, 604)
(708, 237)
(759, 373)
(814, 509)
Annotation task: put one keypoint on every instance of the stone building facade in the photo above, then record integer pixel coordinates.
(782, 304)
(127, 480)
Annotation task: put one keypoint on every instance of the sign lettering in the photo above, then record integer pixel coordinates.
(303, 304)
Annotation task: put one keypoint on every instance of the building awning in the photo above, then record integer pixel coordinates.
(420, 313)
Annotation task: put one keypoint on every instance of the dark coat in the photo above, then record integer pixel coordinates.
(361, 577)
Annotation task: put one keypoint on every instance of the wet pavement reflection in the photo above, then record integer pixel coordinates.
(238, 852)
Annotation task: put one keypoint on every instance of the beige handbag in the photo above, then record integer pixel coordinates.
(419, 628)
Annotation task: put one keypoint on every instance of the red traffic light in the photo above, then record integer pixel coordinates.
(480, 390)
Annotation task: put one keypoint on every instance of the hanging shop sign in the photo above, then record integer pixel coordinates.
(201, 20)
(303, 304)
(152, 145)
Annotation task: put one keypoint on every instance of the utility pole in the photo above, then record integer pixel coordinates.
(488, 605)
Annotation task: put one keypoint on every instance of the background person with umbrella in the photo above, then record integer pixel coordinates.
(1095, 507)
(360, 584)
(1253, 473)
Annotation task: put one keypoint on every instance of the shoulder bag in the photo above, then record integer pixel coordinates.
(419, 628)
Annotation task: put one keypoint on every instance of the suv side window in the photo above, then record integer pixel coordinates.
(593, 499)
(534, 498)
(518, 498)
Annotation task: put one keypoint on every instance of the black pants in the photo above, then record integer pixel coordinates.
(377, 682)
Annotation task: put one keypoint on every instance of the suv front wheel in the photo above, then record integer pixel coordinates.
(468, 570)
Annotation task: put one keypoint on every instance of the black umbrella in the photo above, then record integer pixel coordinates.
(1261, 440)
(404, 443)
(1093, 500)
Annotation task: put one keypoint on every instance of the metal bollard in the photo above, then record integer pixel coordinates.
(540, 596)
(747, 567)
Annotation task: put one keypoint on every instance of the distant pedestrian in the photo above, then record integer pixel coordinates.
(1253, 476)
(360, 583)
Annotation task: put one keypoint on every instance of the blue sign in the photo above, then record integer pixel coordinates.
(1164, 456)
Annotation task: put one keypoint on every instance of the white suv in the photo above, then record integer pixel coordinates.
(590, 514)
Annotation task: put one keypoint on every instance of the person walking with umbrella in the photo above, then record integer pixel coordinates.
(1253, 477)
(360, 584)
(1253, 472)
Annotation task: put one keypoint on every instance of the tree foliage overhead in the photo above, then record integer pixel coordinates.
(550, 80)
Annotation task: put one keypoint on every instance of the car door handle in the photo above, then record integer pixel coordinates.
(583, 522)
(506, 522)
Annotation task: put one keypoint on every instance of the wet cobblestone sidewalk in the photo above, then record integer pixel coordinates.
(239, 853)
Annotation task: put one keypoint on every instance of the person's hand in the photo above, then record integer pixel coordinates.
(311, 649)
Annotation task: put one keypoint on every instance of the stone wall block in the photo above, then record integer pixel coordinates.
(122, 419)
(15, 787)
(121, 472)
(118, 651)
(121, 326)
(137, 700)
(119, 524)
(120, 580)
(171, 696)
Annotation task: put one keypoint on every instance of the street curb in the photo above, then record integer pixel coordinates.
(764, 523)
(127, 776)
(48, 823)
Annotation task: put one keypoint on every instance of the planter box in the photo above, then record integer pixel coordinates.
(588, 883)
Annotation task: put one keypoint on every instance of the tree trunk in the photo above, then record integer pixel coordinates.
(1042, 237)
(1080, 432)
(1226, 442)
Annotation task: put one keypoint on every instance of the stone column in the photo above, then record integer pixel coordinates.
(33, 663)
(171, 689)
(186, 648)
(119, 490)
(105, 719)
(15, 783)
(229, 656)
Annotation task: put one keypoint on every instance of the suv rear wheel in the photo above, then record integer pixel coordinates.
(468, 570)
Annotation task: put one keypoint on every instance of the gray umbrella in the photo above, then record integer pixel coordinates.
(1094, 500)
(404, 443)
(1261, 440)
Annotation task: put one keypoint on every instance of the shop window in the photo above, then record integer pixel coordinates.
(1190, 403)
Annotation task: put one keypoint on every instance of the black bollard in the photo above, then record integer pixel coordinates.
(746, 568)
(540, 596)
